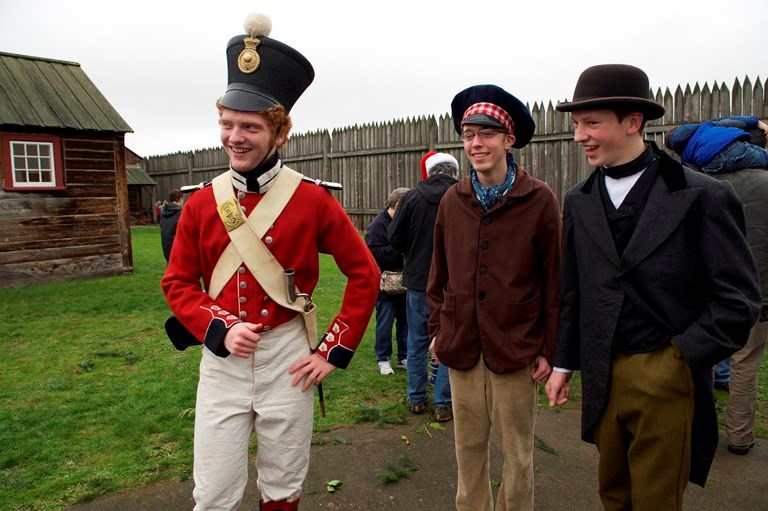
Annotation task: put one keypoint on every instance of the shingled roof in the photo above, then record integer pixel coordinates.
(139, 176)
(47, 93)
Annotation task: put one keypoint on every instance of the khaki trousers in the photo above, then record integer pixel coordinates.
(506, 403)
(745, 367)
(236, 395)
(644, 435)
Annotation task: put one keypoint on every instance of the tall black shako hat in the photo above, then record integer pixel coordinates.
(263, 72)
(482, 99)
(612, 86)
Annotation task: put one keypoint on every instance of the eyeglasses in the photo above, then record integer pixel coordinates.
(484, 134)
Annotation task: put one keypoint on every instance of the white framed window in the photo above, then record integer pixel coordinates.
(32, 162)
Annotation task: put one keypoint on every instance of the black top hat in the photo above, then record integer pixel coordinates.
(263, 72)
(524, 124)
(610, 86)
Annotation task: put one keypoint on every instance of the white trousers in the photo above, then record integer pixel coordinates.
(236, 395)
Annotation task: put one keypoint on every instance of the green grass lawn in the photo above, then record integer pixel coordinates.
(93, 397)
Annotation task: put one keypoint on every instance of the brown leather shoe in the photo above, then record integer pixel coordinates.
(741, 450)
(443, 413)
(417, 409)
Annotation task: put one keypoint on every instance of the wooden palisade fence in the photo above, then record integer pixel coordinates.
(373, 159)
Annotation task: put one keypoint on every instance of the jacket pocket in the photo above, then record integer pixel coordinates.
(524, 328)
(447, 320)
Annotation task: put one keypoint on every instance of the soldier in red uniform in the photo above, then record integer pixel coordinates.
(257, 367)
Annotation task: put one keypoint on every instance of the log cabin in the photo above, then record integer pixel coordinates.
(64, 211)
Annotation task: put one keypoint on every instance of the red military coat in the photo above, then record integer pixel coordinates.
(312, 222)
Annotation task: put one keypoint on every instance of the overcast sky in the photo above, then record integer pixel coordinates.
(161, 63)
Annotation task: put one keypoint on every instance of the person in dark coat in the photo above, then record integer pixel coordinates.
(169, 218)
(751, 185)
(411, 232)
(720, 147)
(659, 284)
(390, 308)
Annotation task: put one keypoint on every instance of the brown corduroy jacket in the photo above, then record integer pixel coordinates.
(495, 276)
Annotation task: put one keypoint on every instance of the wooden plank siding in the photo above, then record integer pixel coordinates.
(373, 159)
(79, 232)
(82, 230)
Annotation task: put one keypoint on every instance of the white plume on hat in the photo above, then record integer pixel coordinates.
(438, 158)
(257, 24)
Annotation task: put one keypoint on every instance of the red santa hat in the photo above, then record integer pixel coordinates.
(436, 158)
(424, 159)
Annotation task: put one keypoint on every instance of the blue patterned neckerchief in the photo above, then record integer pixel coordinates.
(490, 196)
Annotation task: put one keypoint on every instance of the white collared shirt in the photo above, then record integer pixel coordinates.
(619, 188)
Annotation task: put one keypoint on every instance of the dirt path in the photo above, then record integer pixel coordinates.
(565, 467)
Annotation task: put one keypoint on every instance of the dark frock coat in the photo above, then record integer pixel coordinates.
(687, 265)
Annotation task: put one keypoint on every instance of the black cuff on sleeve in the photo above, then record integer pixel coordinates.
(340, 356)
(214, 338)
(179, 335)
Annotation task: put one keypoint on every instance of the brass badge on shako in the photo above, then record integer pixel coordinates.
(230, 214)
(249, 60)
(255, 25)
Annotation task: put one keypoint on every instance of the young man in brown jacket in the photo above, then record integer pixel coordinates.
(493, 294)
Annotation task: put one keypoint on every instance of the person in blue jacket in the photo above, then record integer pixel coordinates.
(719, 146)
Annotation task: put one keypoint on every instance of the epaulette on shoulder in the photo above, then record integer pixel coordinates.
(325, 184)
(192, 188)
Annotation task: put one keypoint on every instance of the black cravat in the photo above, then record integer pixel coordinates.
(252, 176)
(633, 167)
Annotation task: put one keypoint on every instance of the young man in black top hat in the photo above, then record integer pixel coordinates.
(658, 285)
(253, 237)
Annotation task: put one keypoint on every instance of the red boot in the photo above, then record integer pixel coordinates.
(279, 505)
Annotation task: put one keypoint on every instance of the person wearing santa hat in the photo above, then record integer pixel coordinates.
(411, 233)
(494, 293)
